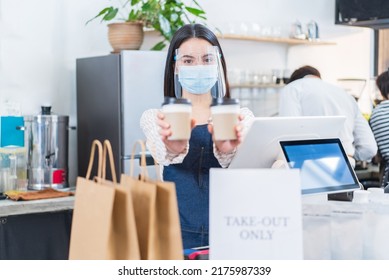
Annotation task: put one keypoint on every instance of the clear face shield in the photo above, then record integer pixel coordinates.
(199, 72)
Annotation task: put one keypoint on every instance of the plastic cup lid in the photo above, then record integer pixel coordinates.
(172, 100)
(224, 101)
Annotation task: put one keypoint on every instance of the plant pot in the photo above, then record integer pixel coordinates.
(125, 36)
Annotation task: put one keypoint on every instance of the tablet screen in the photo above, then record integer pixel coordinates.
(323, 164)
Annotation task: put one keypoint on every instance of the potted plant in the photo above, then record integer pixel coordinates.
(131, 16)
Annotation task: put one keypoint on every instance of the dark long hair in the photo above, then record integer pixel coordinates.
(382, 83)
(186, 32)
(304, 71)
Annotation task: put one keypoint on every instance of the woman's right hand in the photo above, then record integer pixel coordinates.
(173, 146)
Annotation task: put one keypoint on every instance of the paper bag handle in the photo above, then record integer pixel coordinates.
(143, 174)
(108, 148)
(95, 143)
(157, 166)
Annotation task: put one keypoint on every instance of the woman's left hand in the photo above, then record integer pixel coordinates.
(227, 146)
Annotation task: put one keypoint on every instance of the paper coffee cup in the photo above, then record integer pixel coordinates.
(225, 117)
(178, 112)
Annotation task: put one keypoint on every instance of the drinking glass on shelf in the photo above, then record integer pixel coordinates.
(313, 31)
(257, 77)
(297, 31)
(255, 29)
(276, 31)
(267, 77)
(232, 28)
(277, 76)
(243, 28)
(250, 77)
(266, 31)
(286, 75)
(234, 76)
(245, 77)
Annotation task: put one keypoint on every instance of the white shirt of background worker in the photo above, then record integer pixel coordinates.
(307, 94)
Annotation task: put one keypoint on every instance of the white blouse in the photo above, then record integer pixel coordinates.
(148, 123)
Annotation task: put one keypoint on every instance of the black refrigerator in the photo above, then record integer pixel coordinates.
(112, 93)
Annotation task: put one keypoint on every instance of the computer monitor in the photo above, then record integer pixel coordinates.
(260, 147)
(323, 163)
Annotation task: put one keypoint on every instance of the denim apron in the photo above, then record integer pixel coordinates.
(192, 186)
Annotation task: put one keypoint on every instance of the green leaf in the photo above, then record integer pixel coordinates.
(111, 14)
(146, 6)
(202, 17)
(195, 11)
(159, 46)
(134, 15)
(134, 2)
(102, 12)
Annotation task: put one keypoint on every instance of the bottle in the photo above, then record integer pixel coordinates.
(297, 31)
(313, 31)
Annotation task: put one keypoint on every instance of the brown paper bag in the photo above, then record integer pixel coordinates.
(103, 217)
(92, 214)
(123, 239)
(156, 214)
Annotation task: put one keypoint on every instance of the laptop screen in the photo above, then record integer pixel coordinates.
(323, 164)
(260, 147)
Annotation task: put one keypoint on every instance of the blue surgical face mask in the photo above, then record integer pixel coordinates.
(198, 79)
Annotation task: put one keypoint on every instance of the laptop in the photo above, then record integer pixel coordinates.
(324, 166)
(260, 147)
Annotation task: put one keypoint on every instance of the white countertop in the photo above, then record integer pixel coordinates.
(10, 207)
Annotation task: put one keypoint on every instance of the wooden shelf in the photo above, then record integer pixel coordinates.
(289, 41)
(235, 86)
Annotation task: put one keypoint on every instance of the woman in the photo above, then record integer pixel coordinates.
(187, 163)
(379, 122)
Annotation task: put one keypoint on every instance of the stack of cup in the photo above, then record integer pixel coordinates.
(13, 168)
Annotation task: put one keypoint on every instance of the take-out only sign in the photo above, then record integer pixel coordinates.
(255, 214)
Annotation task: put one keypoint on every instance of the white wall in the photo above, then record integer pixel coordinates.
(350, 57)
(40, 40)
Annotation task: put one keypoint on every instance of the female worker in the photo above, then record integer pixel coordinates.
(189, 73)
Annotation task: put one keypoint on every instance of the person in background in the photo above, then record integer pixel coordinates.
(187, 163)
(307, 94)
(379, 123)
